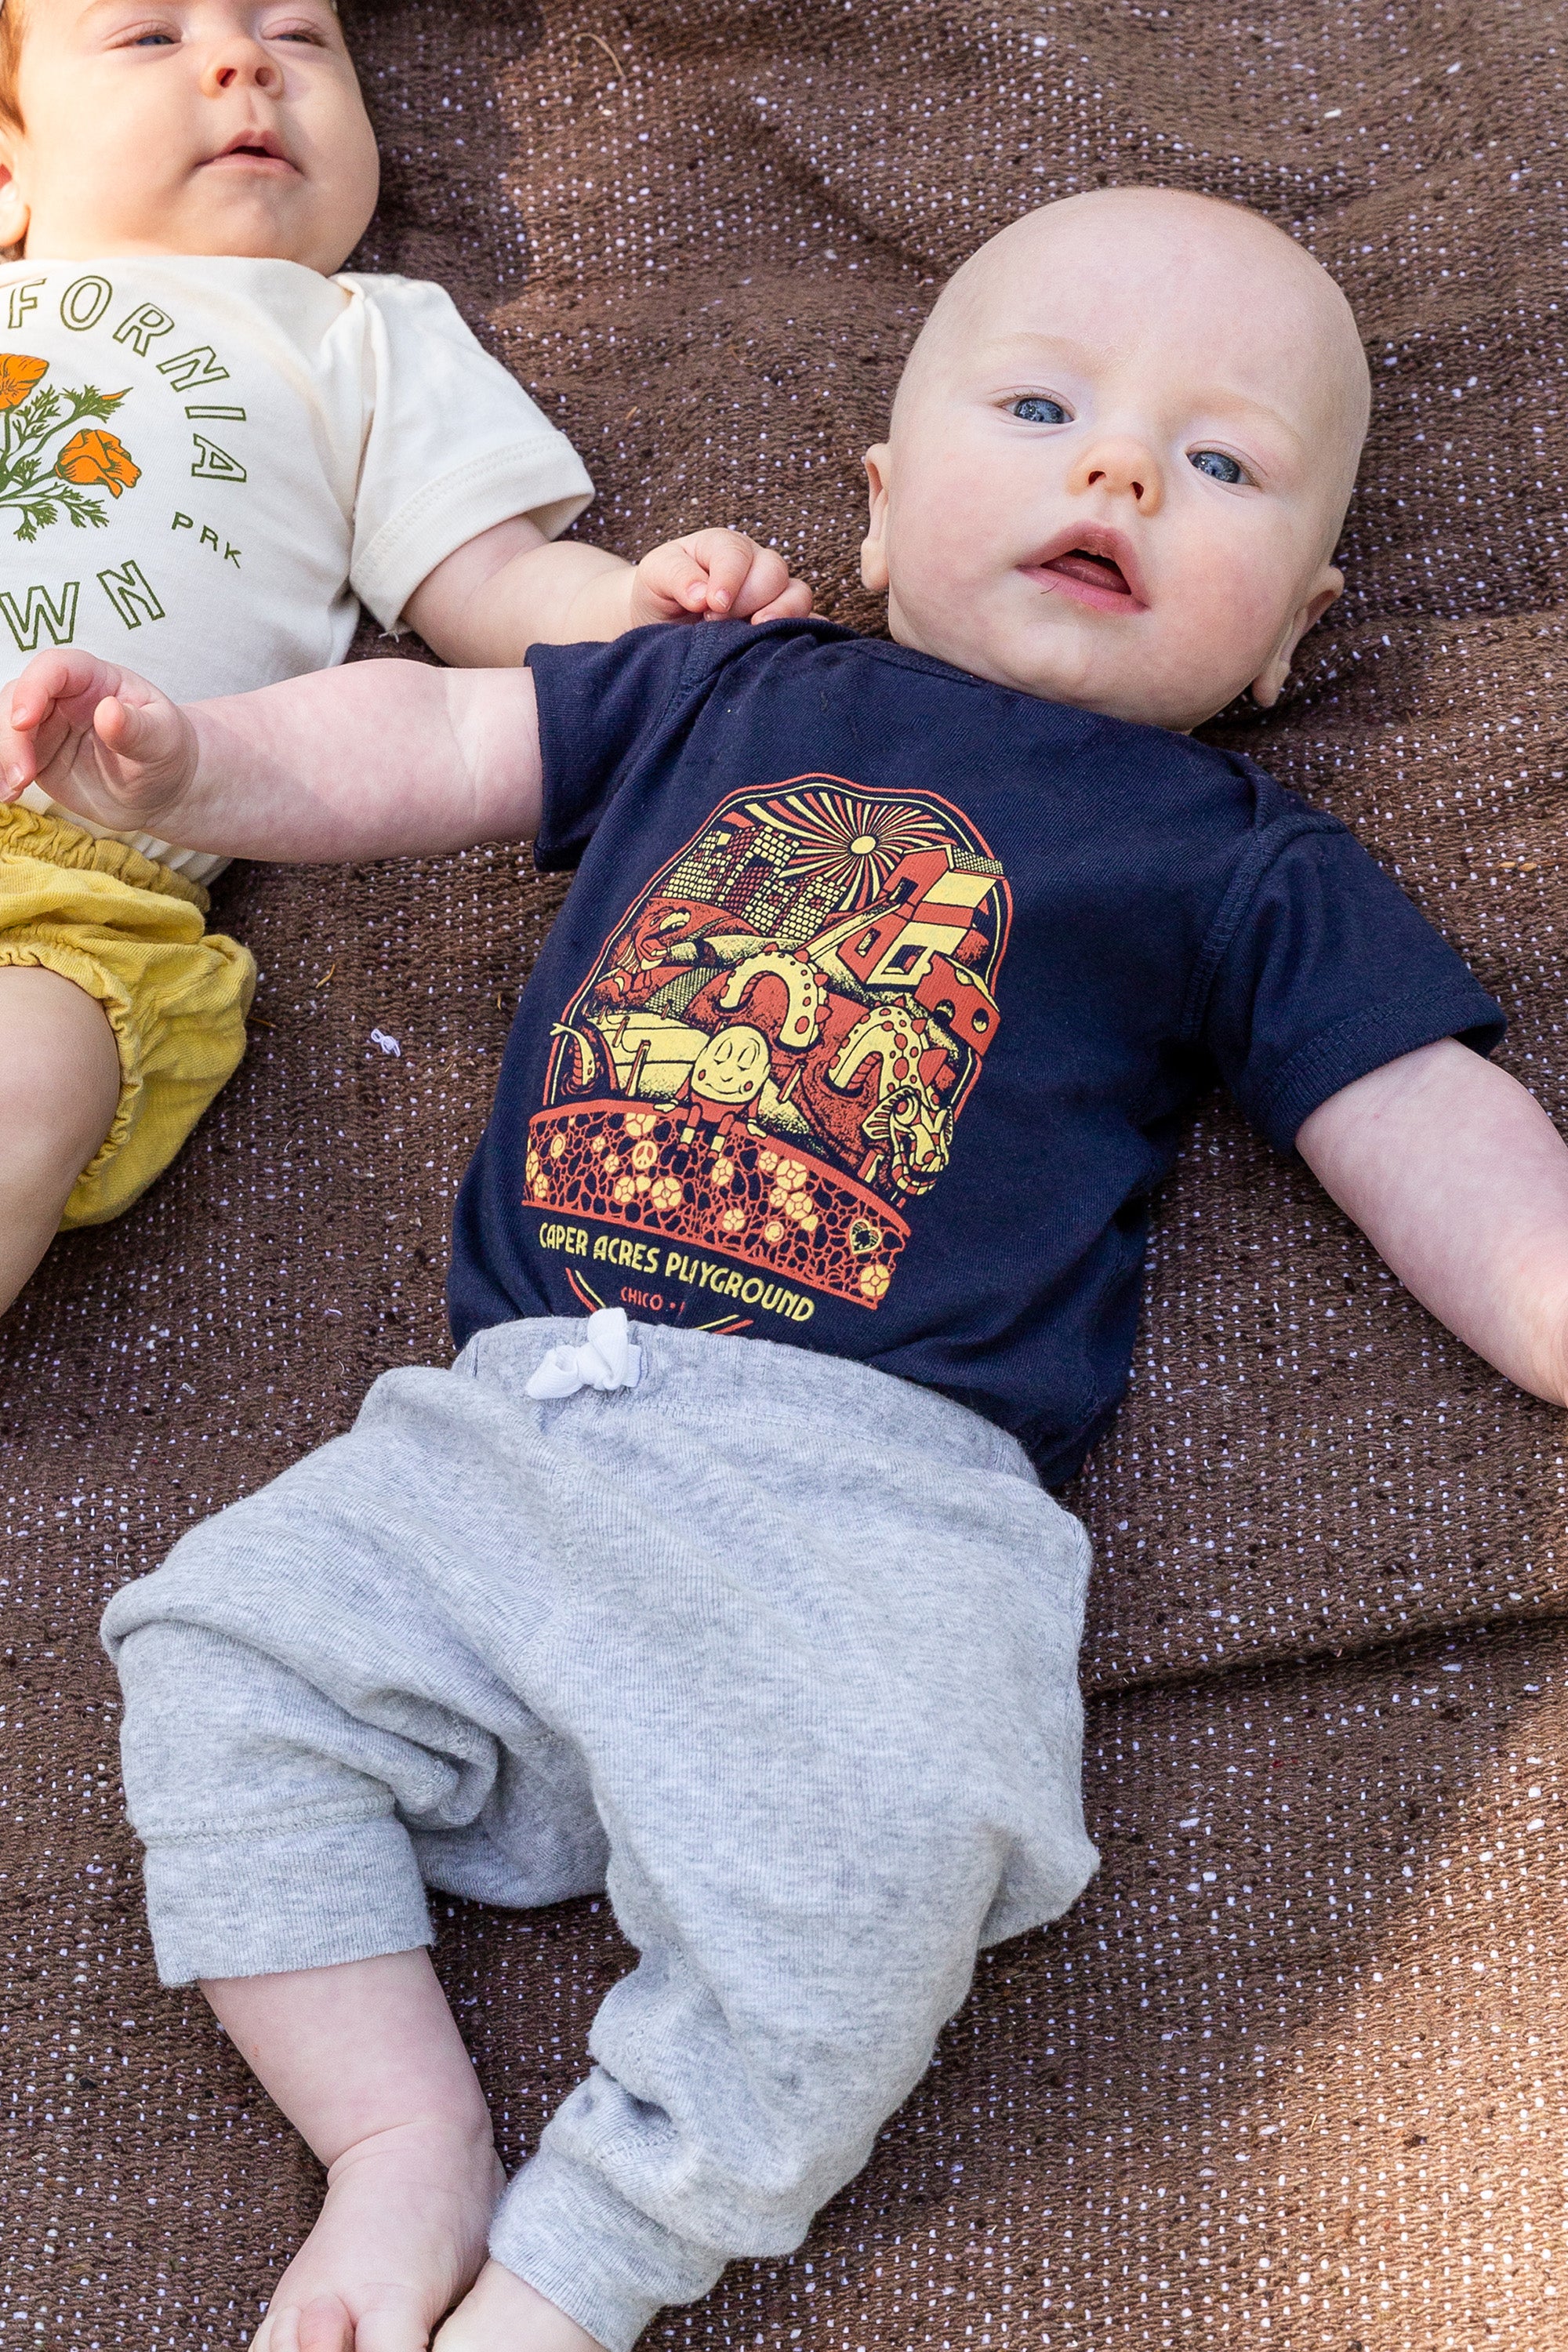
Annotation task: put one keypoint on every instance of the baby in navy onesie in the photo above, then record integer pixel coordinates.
(835, 1105)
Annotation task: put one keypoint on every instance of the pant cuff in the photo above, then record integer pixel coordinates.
(306, 1898)
(610, 2268)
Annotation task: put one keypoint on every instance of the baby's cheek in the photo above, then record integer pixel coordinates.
(1210, 642)
(1233, 609)
(938, 556)
(951, 500)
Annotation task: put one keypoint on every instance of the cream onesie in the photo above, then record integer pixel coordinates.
(206, 465)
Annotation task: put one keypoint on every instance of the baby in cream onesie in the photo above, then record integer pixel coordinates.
(214, 447)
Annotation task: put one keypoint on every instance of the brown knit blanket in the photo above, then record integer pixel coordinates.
(1292, 2073)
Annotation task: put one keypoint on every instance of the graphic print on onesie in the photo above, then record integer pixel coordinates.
(768, 1057)
(207, 461)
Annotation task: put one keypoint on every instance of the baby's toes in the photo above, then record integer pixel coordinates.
(325, 2325)
(390, 2321)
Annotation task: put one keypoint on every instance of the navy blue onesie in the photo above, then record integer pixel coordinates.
(874, 1013)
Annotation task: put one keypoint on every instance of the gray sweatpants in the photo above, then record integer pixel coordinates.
(778, 1650)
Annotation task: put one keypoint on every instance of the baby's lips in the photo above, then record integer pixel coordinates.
(1093, 573)
(1115, 581)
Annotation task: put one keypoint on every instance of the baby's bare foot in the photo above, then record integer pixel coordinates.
(400, 2236)
(501, 2313)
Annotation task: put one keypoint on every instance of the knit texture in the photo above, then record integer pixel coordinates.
(1324, 1657)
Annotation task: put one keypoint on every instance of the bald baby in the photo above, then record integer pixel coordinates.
(911, 981)
(1119, 458)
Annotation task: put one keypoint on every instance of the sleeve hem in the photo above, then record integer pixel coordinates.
(551, 855)
(1365, 1042)
(566, 2228)
(545, 480)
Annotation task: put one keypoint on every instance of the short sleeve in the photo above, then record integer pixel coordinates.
(599, 706)
(454, 445)
(1322, 970)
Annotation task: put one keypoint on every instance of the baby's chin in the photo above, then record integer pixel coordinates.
(251, 218)
(1062, 657)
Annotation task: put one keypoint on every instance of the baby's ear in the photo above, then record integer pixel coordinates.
(14, 210)
(873, 547)
(1270, 684)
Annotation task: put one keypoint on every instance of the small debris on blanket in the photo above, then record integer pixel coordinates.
(388, 1045)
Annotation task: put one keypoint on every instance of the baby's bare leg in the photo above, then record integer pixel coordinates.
(59, 1087)
(366, 2063)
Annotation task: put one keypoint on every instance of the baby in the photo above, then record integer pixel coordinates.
(869, 1028)
(212, 449)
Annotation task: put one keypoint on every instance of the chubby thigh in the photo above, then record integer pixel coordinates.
(780, 1650)
(129, 933)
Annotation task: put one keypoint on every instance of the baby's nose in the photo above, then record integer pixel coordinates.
(1124, 466)
(241, 64)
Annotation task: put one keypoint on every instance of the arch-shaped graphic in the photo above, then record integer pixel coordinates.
(769, 1053)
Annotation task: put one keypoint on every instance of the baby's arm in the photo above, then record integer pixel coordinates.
(378, 759)
(1461, 1181)
(512, 588)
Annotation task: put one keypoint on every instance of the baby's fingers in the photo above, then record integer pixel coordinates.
(59, 679)
(729, 559)
(25, 751)
(793, 604)
(669, 585)
(768, 592)
(135, 733)
(716, 575)
(145, 750)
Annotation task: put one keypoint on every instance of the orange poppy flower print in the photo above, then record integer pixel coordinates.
(99, 458)
(57, 456)
(18, 376)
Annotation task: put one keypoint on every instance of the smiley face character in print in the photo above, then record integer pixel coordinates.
(768, 1057)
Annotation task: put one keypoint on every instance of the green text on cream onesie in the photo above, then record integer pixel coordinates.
(205, 465)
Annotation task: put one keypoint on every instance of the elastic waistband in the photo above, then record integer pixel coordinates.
(52, 840)
(687, 1373)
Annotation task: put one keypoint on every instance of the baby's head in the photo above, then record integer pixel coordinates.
(1120, 457)
(181, 126)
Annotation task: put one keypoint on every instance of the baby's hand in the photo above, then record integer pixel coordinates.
(716, 575)
(97, 739)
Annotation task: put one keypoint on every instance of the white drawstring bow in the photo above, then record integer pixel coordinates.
(606, 1359)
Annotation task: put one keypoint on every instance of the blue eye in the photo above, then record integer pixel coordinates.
(1035, 409)
(1216, 466)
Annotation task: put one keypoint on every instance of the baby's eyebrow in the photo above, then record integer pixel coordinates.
(1248, 404)
(110, 8)
(1030, 343)
(101, 7)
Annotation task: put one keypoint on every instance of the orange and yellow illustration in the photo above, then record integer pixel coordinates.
(41, 482)
(770, 1054)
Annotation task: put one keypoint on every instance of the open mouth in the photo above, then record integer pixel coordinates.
(1090, 571)
(1092, 565)
(254, 148)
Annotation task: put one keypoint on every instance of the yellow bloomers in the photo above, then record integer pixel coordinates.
(131, 933)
